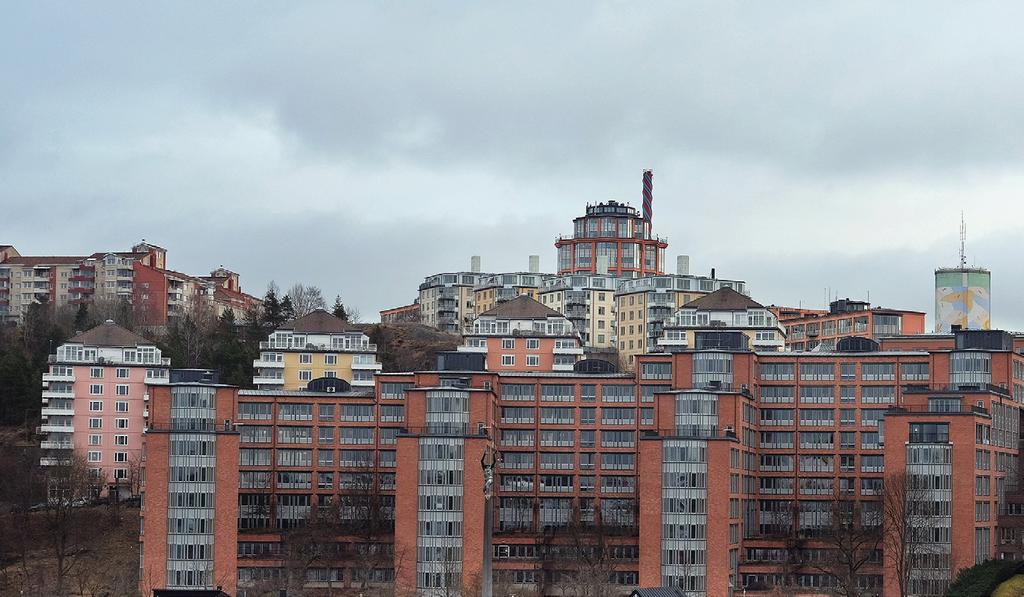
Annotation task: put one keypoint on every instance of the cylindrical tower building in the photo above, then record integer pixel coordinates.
(615, 233)
(963, 298)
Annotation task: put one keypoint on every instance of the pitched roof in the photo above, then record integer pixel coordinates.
(33, 261)
(109, 334)
(319, 321)
(724, 299)
(521, 307)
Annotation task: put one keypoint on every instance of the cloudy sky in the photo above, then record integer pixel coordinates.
(359, 147)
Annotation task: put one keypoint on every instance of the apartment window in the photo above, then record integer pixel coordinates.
(847, 417)
(532, 343)
(96, 390)
(914, 371)
(777, 371)
(96, 440)
(821, 417)
(295, 412)
(518, 392)
(96, 372)
(121, 406)
(121, 389)
(95, 456)
(330, 359)
(557, 393)
(508, 343)
(325, 457)
(557, 415)
(122, 372)
(121, 423)
(532, 360)
(656, 371)
(817, 371)
(847, 371)
(817, 394)
(618, 461)
(305, 359)
(508, 360)
(618, 439)
(878, 371)
(95, 423)
(357, 412)
(95, 406)
(516, 414)
(848, 440)
(616, 393)
(618, 416)
(392, 413)
(120, 457)
(254, 411)
(305, 375)
(356, 435)
(777, 394)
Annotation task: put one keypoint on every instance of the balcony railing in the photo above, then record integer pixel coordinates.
(346, 347)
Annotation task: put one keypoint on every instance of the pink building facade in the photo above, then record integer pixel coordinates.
(95, 402)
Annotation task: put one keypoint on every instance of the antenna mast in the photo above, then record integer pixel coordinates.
(963, 241)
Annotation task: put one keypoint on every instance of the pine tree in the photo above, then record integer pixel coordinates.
(339, 309)
(82, 318)
(287, 311)
(272, 309)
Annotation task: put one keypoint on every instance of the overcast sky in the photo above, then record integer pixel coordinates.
(361, 147)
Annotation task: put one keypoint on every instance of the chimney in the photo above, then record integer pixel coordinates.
(602, 265)
(683, 265)
(712, 273)
(474, 264)
(534, 264)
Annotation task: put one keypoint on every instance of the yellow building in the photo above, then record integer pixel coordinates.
(311, 347)
(642, 306)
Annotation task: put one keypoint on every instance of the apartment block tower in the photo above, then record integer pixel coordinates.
(845, 318)
(588, 301)
(139, 276)
(719, 471)
(314, 346)
(505, 287)
(447, 300)
(611, 238)
(189, 528)
(96, 401)
(643, 305)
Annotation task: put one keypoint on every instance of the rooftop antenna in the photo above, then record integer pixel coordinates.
(963, 241)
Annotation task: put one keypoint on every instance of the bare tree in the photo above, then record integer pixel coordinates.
(579, 558)
(907, 514)
(70, 484)
(306, 299)
(851, 543)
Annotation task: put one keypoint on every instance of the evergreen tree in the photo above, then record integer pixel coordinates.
(339, 309)
(229, 355)
(272, 317)
(82, 319)
(287, 311)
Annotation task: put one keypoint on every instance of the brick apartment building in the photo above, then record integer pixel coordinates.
(714, 470)
(808, 329)
(139, 276)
